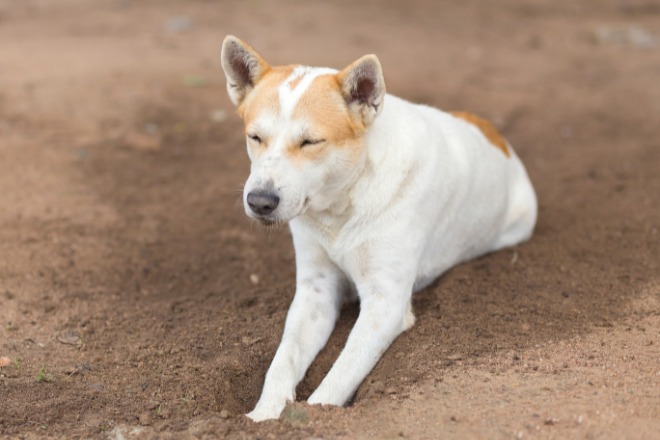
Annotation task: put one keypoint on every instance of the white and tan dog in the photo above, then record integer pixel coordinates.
(381, 195)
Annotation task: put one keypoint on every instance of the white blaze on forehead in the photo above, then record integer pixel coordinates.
(289, 96)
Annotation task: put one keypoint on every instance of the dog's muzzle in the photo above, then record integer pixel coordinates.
(262, 202)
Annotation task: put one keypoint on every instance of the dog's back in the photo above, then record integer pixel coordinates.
(468, 190)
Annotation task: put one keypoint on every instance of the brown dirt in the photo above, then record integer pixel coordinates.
(140, 303)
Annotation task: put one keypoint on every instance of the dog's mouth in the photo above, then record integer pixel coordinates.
(268, 222)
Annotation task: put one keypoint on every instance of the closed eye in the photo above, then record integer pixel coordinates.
(307, 142)
(255, 138)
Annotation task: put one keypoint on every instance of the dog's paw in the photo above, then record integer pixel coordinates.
(319, 397)
(265, 412)
(259, 415)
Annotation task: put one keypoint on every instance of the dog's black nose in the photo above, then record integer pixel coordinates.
(262, 202)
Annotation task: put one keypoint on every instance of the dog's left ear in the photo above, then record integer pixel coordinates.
(363, 87)
(243, 68)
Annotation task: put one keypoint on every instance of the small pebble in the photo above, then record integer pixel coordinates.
(566, 132)
(178, 24)
(96, 386)
(151, 128)
(69, 337)
(224, 414)
(142, 141)
(295, 415)
(378, 387)
(635, 36)
(193, 80)
(218, 116)
(146, 418)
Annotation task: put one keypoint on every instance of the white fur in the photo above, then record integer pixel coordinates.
(429, 192)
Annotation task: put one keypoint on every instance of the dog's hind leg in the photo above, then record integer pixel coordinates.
(522, 212)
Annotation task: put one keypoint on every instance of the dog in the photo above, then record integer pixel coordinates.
(381, 196)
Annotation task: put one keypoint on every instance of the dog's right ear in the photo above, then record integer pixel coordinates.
(363, 87)
(243, 68)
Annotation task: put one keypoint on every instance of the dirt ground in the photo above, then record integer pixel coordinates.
(136, 301)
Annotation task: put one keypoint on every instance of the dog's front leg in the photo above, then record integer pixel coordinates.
(309, 323)
(385, 312)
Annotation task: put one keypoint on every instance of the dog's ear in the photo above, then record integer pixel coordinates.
(243, 68)
(363, 87)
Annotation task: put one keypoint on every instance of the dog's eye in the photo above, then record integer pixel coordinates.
(307, 142)
(255, 138)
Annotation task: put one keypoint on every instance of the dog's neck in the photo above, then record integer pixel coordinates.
(329, 219)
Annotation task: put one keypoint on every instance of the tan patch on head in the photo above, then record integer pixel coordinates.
(488, 130)
(324, 108)
(265, 94)
(294, 83)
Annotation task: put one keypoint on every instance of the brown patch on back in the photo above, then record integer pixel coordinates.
(488, 130)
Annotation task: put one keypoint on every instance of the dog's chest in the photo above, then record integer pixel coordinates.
(338, 236)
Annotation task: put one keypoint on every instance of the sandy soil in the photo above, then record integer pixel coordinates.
(136, 301)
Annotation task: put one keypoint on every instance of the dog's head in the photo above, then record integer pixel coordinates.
(304, 128)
